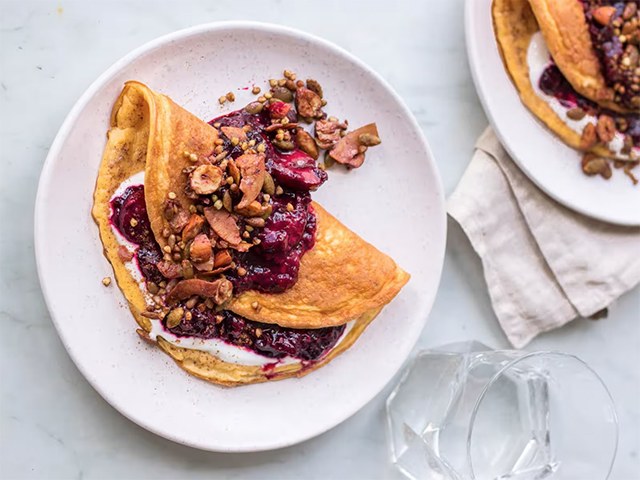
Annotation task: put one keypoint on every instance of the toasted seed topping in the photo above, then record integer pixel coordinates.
(255, 305)
(133, 222)
(172, 195)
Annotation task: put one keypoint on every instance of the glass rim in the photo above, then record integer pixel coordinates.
(526, 356)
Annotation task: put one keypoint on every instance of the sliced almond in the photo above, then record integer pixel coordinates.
(252, 170)
(224, 224)
(234, 132)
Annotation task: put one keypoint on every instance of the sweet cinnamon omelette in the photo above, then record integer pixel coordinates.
(576, 65)
(227, 264)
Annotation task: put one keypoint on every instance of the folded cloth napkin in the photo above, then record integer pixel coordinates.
(544, 264)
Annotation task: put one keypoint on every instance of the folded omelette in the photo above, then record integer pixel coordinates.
(576, 70)
(226, 262)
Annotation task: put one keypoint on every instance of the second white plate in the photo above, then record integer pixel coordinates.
(546, 160)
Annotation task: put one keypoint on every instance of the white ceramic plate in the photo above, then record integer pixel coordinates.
(395, 201)
(548, 162)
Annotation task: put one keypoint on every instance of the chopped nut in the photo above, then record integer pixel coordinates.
(589, 137)
(241, 272)
(224, 224)
(593, 165)
(257, 222)
(222, 259)
(124, 254)
(200, 249)
(133, 222)
(234, 133)
(206, 179)
(346, 150)
(106, 281)
(192, 228)
(328, 132)
(314, 87)
(308, 103)
(289, 207)
(606, 128)
(603, 15)
(252, 169)
(258, 332)
(222, 100)
(231, 97)
(256, 90)
(170, 269)
(255, 305)
(220, 290)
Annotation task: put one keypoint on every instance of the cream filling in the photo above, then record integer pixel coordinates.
(227, 352)
(538, 60)
(220, 349)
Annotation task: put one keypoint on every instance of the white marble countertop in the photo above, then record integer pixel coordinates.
(53, 424)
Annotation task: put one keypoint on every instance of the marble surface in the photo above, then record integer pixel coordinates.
(52, 423)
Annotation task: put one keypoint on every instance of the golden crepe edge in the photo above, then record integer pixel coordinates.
(514, 24)
(130, 139)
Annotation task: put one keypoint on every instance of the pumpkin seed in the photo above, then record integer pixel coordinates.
(153, 288)
(268, 186)
(328, 161)
(267, 213)
(306, 143)
(284, 145)
(254, 108)
(576, 113)
(175, 317)
(283, 93)
(368, 140)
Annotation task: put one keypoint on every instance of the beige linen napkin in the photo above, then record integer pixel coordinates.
(544, 264)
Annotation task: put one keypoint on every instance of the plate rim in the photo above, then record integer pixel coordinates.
(473, 7)
(44, 183)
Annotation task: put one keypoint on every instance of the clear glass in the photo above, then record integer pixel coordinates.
(466, 412)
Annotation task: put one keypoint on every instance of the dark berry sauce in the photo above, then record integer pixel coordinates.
(272, 265)
(131, 206)
(610, 50)
(265, 339)
(553, 83)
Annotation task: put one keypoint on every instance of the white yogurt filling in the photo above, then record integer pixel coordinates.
(538, 59)
(220, 349)
(227, 352)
